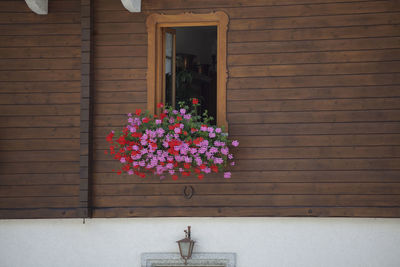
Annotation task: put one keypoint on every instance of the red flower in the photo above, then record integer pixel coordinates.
(195, 101)
(121, 140)
(145, 120)
(198, 171)
(119, 172)
(160, 105)
(186, 173)
(110, 137)
(186, 165)
(178, 118)
(162, 116)
(214, 168)
(138, 111)
(137, 135)
(200, 176)
(198, 140)
(193, 130)
(174, 177)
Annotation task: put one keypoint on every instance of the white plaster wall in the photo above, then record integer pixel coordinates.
(258, 242)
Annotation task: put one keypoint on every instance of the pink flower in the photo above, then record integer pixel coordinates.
(211, 135)
(218, 160)
(218, 130)
(235, 143)
(227, 175)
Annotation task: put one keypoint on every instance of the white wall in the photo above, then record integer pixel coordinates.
(258, 242)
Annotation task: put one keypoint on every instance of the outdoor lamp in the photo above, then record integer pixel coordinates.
(186, 246)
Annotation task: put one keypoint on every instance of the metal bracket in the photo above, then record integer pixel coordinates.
(188, 191)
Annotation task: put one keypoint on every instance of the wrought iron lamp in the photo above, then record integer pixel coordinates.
(186, 246)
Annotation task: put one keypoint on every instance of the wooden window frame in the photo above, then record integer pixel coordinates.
(155, 24)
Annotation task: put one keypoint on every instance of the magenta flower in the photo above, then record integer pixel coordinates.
(177, 141)
(218, 160)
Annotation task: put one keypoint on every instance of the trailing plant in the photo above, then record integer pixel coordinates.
(177, 142)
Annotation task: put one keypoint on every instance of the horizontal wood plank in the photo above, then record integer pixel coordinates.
(388, 212)
(40, 202)
(313, 34)
(39, 179)
(39, 156)
(39, 144)
(39, 167)
(292, 129)
(251, 201)
(40, 64)
(314, 81)
(40, 121)
(314, 116)
(173, 189)
(38, 191)
(314, 93)
(314, 57)
(314, 69)
(314, 105)
(318, 21)
(298, 176)
(32, 110)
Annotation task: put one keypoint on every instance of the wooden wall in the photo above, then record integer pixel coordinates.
(313, 97)
(39, 110)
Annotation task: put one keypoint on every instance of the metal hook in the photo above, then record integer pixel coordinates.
(188, 191)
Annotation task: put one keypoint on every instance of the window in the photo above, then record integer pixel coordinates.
(168, 69)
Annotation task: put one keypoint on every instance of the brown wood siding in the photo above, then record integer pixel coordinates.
(313, 98)
(39, 110)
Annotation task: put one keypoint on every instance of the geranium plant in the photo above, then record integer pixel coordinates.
(177, 142)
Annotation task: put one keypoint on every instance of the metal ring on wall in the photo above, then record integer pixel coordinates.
(188, 191)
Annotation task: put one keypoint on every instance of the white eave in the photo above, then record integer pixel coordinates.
(132, 5)
(38, 6)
